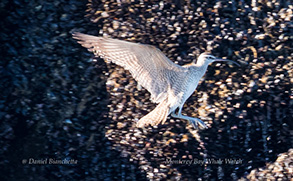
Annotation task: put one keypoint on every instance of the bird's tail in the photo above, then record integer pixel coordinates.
(156, 116)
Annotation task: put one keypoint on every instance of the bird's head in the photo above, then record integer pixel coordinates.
(207, 58)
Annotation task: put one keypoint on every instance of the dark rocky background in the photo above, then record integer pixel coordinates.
(58, 101)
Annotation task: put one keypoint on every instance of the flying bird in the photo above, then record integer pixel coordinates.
(170, 85)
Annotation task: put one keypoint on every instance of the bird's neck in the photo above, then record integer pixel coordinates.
(202, 65)
(199, 70)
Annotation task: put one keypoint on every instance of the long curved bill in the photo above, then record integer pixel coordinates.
(225, 60)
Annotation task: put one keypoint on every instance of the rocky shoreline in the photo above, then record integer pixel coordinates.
(58, 102)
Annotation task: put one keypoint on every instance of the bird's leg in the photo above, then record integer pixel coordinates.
(195, 122)
(180, 109)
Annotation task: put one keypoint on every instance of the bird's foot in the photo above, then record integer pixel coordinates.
(197, 123)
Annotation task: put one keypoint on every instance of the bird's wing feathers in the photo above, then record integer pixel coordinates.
(147, 64)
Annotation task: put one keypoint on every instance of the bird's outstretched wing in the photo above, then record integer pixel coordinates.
(147, 64)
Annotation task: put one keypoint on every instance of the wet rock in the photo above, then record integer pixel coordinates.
(58, 101)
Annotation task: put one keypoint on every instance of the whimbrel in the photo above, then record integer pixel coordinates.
(170, 85)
